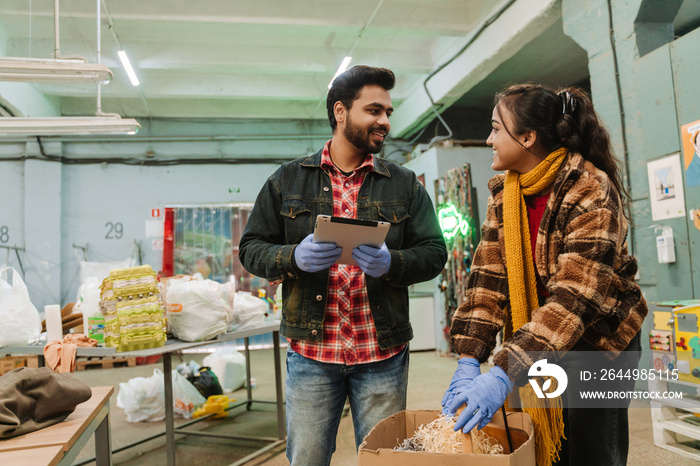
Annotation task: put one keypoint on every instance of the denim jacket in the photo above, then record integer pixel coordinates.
(285, 213)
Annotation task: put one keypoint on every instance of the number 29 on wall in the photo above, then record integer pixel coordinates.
(115, 230)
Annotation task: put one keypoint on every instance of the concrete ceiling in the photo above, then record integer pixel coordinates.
(274, 58)
(566, 65)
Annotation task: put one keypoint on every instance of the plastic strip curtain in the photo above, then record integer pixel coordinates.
(204, 239)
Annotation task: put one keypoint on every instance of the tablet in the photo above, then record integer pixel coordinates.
(349, 233)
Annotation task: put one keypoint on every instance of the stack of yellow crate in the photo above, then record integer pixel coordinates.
(133, 311)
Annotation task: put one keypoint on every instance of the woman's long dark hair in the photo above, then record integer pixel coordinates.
(562, 118)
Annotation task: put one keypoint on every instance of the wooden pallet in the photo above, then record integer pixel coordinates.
(103, 363)
(675, 423)
(677, 433)
(13, 362)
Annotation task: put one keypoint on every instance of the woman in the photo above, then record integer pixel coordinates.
(552, 270)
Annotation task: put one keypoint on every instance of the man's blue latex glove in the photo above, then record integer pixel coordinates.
(484, 398)
(467, 370)
(312, 257)
(373, 261)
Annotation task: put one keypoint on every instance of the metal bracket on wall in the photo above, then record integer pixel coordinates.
(17, 249)
(137, 251)
(82, 248)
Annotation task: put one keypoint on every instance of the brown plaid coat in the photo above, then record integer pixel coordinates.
(582, 259)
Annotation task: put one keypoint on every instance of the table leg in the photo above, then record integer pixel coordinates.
(169, 414)
(103, 442)
(278, 383)
(249, 389)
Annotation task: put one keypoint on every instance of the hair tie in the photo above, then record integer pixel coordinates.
(568, 102)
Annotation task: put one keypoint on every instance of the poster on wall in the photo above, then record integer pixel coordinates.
(690, 138)
(666, 188)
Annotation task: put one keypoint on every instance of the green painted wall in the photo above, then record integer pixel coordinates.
(658, 82)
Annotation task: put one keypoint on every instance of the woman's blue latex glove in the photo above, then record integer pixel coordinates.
(467, 370)
(373, 261)
(484, 398)
(312, 257)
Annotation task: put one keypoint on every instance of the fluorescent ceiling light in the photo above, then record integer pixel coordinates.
(57, 126)
(51, 70)
(129, 69)
(343, 66)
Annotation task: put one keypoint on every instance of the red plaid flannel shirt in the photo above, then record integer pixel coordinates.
(349, 336)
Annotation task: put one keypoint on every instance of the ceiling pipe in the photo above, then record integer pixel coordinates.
(99, 56)
(481, 28)
(56, 37)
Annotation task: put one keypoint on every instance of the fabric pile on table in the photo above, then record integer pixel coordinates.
(34, 398)
(60, 354)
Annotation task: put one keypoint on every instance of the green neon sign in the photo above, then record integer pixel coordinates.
(452, 222)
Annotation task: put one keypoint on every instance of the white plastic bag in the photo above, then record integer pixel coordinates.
(198, 309)
(186, 397)
(100, 270)
(248, 311)
(229, 366)
(188, 370)
(88, 300)
(19, 319)
(229, 292)
(143, 398)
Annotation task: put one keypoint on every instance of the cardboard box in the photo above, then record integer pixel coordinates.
(13, 362)
(377, 449)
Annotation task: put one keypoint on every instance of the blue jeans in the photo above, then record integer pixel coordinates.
(316, 393)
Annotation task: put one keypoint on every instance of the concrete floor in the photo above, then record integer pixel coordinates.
(429, 376)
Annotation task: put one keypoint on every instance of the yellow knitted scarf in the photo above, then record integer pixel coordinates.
(547, 417)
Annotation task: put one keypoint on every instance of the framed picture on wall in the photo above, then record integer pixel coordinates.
(666, 188)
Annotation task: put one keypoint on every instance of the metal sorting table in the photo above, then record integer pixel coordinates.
(172, 346)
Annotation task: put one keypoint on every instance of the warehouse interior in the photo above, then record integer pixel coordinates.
(228, 91)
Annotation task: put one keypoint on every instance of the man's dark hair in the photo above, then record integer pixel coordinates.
(348, 84)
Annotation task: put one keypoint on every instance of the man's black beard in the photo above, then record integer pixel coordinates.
(360, 138)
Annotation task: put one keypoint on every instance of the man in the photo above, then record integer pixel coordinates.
(348, 326)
